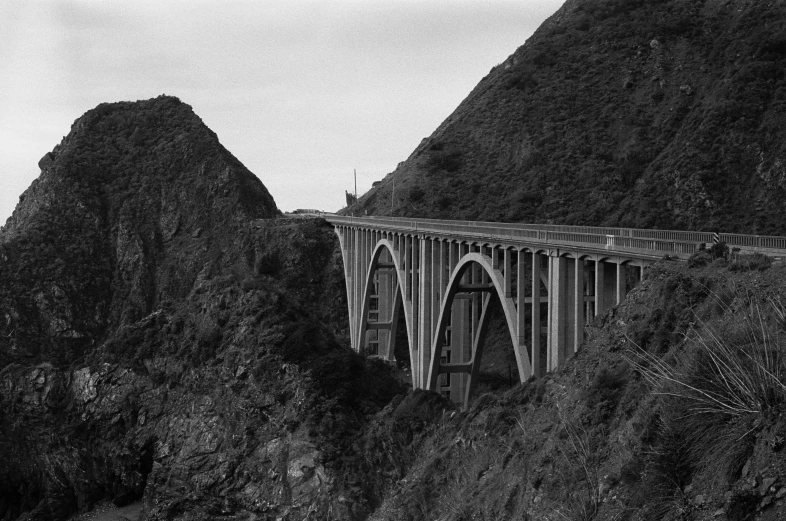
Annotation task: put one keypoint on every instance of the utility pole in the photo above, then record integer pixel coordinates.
(392, 196)
(356, 184)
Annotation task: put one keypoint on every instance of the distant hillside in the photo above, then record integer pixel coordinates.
(645, 113)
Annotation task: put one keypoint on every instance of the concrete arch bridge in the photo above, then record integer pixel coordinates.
(442, 276)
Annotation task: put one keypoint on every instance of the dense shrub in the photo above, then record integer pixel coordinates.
(442, 159)
(715, 393)
(699, 258)
(416, 194)
(750, 262)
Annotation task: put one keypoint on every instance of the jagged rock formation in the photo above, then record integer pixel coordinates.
(640, 113)
(165, 335)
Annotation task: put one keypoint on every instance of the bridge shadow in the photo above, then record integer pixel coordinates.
(401, 347)
(498, 371)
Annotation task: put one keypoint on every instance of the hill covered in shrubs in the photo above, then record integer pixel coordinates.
(666, 114)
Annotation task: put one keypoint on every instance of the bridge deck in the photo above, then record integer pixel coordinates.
(550, 280)
(640, 243)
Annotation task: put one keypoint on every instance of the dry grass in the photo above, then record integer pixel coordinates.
(735, 369)
(715, 391)
(579, 453)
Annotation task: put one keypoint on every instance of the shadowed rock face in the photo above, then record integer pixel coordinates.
(164, 334)
(664, 114)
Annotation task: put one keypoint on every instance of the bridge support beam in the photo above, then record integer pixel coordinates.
(578, 304)
(423, 279)
(535, 315)
(558, 311)
(620, 287)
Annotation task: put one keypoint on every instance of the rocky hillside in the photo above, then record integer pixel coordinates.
(115, 226)
(645, 113)
(674, 409)
(165, 335)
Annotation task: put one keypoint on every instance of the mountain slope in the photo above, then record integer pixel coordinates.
(101, 237)
(666, 113)
(165, 336)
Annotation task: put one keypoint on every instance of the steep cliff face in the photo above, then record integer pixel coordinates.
(666, 113)
(165, 335)
(125, 209)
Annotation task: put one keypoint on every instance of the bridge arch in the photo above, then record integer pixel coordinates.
(384, 245)
(496, 279)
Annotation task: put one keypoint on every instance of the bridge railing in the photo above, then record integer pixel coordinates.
(660, 242)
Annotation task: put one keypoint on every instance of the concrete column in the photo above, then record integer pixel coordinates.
(508, 269)
(444, 266)
(578, 304)
(424, 307)
(600, 287)
(362, 273)
(589, 284)
(355, 285)
(385, 308)
(521, 299)
(407, 267)
(535, 316)
(570, 319)
(414, 288)
(621, 289)
(444, 274)
(436, 289)
(558, 287)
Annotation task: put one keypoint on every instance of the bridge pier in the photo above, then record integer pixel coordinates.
(423, 283)
(535, 313)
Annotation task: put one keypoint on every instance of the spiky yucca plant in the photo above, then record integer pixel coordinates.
(715, 390)
(735, 369)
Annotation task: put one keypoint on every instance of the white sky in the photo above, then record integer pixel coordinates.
(302, 92)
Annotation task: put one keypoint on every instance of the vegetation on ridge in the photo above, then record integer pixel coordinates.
(664, 114)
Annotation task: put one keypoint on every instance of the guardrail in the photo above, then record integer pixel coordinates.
(649, 242)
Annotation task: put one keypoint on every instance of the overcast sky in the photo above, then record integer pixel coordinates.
(302, 92)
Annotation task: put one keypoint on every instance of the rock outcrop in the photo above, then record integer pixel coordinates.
(165, 335)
